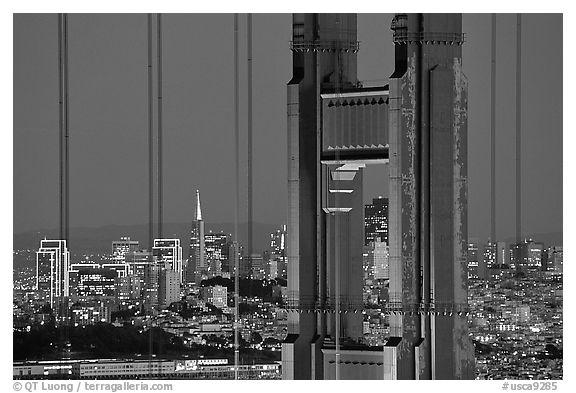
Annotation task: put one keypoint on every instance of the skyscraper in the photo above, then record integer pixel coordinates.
(490, 255)
(234, 257)
(376, 220)
(168, 254)
(123, 246)
(137, 261)
(255, 266)
(503, 255)
(555, 259)
(278, 242)
(473, 265)
(168, 287)
(526, 255)
(216, 252)
(277, 262)
(151, 283)
(197, 258)
(381, 255)
(52, 270)
(144, 269)
(95, 282)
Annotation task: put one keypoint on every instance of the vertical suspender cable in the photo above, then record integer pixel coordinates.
(493, 135)
(160, 180)
(337, 217)
(150, 174)
(61, 125)
(518, 131)
(60, 139)
(150, 141)
(249, 153)
(66, 139)
(235, 248)
(63, 312)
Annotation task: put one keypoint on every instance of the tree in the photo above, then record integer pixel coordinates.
(255, 338)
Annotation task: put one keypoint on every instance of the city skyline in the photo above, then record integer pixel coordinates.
(542, 211)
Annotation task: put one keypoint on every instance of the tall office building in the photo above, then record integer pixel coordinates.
(93, 281)
(168, 254)
(278, 242)
(254, 267)
(196, 257)
(490, 255)
(234, 257)
(376, 262)
(515, 254)
(381, 254)
(123, 246)
(142, 266)
(52, 270)
(496, 261)
(128, 289)
(121, 269)
(137, 262)
(473, 265)
(534, 251)
(168, 287)
(526, 255)
(555, 259)
(216, 252)
(151, 286)
(376, 220)
(277, 261)
(502, 254)
(273, 271)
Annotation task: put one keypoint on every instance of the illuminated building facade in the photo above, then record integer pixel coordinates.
(555, 259)
(376, 220)
(216, 295)
(93, 282)
(526, 255)
(216, 252)
(168, 254)
(123, 246)
(381, 253)
(277, 262)
(473, 265)
(168, 287)
(278, 242)
(90, 313)
(52, 269)
(503, 254)
(490, 255)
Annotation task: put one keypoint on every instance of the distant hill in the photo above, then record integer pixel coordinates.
(549, 239)
(99, 240)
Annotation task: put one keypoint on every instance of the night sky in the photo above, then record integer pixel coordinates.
(108, 118)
